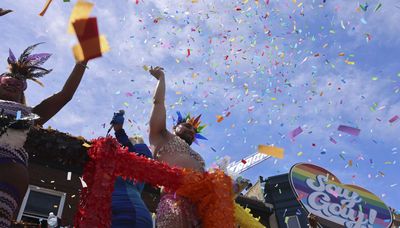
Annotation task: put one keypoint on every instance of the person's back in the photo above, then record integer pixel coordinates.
(128, 208)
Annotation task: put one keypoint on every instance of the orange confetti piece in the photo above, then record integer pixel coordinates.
(46, 6)
(220, 118)
(271, 150)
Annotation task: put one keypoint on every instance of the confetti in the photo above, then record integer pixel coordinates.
(46, 6)
(349, 130)
(378, 7)
(84, 185)
(273, 151)
(86, 145)
(18, 116)
(394, 119)
(295, 133)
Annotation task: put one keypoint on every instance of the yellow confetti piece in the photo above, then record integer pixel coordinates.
(271, 150)
(350, 62)
(300, 4)
(273, 98)
(126, 104)
(81, 10)
(87, 145)
(374, 78)
(299, 153)
(146, 68)
(195, 1)
(341, 54)
(178, 92)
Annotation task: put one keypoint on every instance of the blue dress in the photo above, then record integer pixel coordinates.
(128, 208)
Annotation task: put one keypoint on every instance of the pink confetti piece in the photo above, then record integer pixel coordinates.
(188, 52)
(349, 130)
(393, 119)
(295, 133)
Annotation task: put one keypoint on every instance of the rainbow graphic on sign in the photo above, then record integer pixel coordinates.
(336, 204)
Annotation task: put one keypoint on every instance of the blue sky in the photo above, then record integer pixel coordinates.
(273, 66)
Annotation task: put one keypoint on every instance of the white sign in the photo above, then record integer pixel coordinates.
(252, 160)
(321, 204)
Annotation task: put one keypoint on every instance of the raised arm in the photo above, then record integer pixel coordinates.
(50, 106)
(158, 130)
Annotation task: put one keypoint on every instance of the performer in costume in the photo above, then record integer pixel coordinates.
(16, 118)
(174, 149)
(128, 208)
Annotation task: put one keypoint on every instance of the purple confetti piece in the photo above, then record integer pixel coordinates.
(332, 140)
(295, 133)
(349, 130)
(393, 119)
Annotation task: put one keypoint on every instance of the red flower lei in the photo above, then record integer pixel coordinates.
(211, 192)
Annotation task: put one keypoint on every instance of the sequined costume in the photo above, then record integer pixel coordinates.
(128, 208)
(175, 211)
(12, 141)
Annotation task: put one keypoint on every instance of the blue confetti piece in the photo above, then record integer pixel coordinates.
(18, 116)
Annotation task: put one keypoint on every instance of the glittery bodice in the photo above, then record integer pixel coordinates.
(177, 152)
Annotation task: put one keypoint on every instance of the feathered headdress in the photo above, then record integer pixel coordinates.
(195, 122)
(27, 66)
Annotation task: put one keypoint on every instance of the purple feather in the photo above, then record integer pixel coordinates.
(38, 59)
(11, 57)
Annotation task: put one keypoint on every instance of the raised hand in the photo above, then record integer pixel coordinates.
(118, 120)
(157, 72)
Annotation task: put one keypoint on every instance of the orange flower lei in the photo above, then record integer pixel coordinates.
(211, 192)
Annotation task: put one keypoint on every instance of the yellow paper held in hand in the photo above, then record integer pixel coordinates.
(81, 10)
(79, 53)
(91, 44)
(271, 150)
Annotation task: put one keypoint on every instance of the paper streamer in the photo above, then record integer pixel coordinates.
(271, 150)
(46, 6)
(349, 130)
(295, 133)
